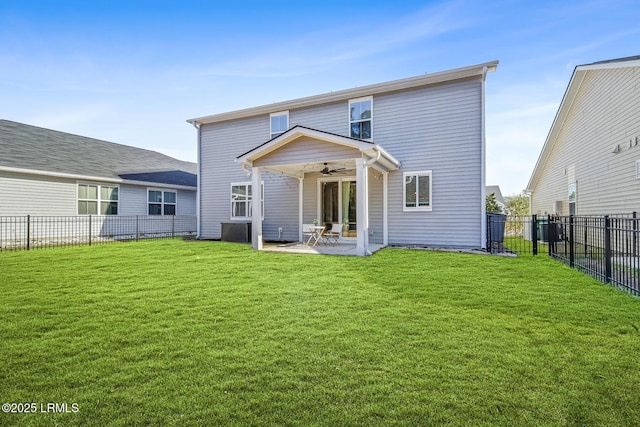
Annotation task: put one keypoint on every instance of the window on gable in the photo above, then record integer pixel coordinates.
(162, 202)
(97, 199)
(417, 191)
(360, 116)
(279, 123)
(241, 200)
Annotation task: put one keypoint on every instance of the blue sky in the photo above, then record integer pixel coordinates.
(132, 71)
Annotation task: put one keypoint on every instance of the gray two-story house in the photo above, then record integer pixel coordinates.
(395, 163)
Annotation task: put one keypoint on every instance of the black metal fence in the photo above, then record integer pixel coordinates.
(521, 235)
(31, 232)
(605, 247)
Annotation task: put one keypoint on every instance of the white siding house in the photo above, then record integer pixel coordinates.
(590, 161)
(399, 163)
(49, 173)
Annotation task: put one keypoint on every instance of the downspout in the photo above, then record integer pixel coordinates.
(197, 126)
(372, 161)
(483, 168)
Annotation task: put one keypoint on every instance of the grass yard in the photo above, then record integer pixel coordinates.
(208, 333)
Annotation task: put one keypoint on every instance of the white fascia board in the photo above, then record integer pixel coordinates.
(92, 178)
(342, 95)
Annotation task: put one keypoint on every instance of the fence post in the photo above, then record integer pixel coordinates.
(173, 226)
(607, 248)
(635, 234)
(534, 233)
(571, 242)
(136, 228)
(28, 231)
(89, 229)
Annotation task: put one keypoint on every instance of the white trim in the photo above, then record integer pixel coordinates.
(356, 100)
(429, 208)
(286, 127)
(483, 166)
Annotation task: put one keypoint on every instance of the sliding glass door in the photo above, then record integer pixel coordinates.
(338, 204)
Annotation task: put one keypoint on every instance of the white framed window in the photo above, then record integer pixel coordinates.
(161, 201)
(417, 191)
(572, 190)
(279, 123)
(241, 200)
(360, 118)
(97, 199)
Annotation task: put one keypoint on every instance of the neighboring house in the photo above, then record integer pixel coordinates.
(398, 163)
(590, 161)
(46, 172)
(495, 190)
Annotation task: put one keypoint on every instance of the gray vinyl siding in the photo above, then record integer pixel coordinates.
(605, 112)
(133, 200)
(438, 129)
(22, 194)
(220, 144)
(305, 150)
(281, 196)
(186, 203)
(333, 118)
(375, 207)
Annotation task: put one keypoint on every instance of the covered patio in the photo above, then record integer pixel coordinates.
(312, 157)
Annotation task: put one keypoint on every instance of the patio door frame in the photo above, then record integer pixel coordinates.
(339, 180)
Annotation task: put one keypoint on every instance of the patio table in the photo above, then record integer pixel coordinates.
(317, 231)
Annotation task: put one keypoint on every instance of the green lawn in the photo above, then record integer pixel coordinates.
(207, 333)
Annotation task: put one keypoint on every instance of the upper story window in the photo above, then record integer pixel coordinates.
(417, 191)
(279, 123)
(162, 202)
(94, 199)
(360, 116)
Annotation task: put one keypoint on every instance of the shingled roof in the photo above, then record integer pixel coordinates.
(29, 147)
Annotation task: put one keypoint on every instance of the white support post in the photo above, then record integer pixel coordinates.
(256, 202)
(385, 208)
(300, 206)
(362, 207)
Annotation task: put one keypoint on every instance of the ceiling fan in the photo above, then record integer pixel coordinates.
(327, 171)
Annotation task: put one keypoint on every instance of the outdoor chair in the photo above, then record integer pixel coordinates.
(334, 234)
